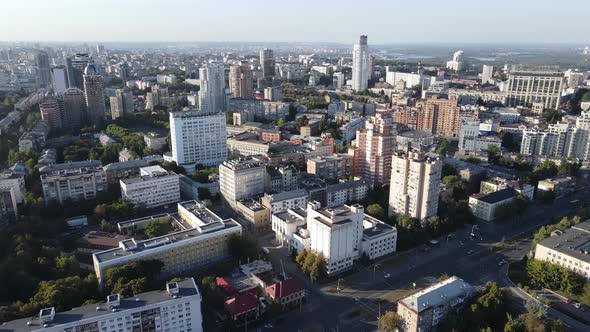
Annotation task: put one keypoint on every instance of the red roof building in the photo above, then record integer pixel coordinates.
(225, 286)
(244, 306)
(288, 293)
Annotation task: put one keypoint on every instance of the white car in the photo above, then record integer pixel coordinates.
(387, 275)
(577, 305)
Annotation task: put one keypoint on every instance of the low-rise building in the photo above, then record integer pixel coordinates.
(570, 249)
(285, 225)
(189, 189)
(281, 202)
(559, 185)
(254, 212)
(154, 187)
(121, 170)
(202, 240)
(95, 241)
(243, 308)
(175, 309)
(72, 181)
(289, 293)
(154, 141)
(497, 183)
(485, 205)
(424, 310)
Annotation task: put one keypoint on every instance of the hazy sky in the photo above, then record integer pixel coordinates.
(385, 21)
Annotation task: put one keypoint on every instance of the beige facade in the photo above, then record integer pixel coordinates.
(415, 185)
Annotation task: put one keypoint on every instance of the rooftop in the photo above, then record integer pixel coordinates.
(125, 165)
(285, 195)
(285, 288)
(496, 196)
(574, 242)
(186, 287)
(75, 167)
(437, 294)
(292, 215)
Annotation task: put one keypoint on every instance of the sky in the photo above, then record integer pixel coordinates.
(384, 21)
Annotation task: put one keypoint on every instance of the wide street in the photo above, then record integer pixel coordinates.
(365, 293)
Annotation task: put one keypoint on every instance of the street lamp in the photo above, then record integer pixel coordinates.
(374, 268)
(338, 287)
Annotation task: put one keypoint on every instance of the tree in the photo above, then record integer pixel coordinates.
(551, 115)
(281, 123)
(157, 227)
(308, 263)
(133, 278)
(300, 259)
(535, 308)
(443, 147)
(243, 247)
(377, 211)
(390, 321)
(508, 142)
(318, 268)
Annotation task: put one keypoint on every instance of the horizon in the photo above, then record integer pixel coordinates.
(458, 21)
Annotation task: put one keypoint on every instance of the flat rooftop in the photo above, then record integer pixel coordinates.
(292, 215)
(186, 287)
(130, 247)
(437, 294)
(574, 242)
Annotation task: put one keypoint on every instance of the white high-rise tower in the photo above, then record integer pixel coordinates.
(211, 94)
(360, 64)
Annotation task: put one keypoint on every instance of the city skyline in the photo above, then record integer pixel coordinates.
(329, 21)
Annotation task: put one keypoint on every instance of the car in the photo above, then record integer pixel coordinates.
(461, 243)
(387, 275)
(577, 305)
(502, 262)
(470, 252)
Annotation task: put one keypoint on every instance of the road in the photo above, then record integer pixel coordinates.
(357, 305)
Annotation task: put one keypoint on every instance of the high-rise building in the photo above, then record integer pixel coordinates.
(267, 62)
(121, 104)
(93, 92)
(415, 185)
(273, 93)
(59, 79)
(241, 179)
(74, 108)
(457, 63)
(373, 148)
(75, 67)
(241, 81)
(487, 74)
(198, 138)
(211, 94)
(338, 80)
(44, 69)
(50, 109)
(360, 64)
(439, 116)
(525, 88)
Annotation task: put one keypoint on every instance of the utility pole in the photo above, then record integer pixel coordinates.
(374, 268)
(379, 318)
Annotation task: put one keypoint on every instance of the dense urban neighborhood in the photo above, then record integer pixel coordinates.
(231, 186)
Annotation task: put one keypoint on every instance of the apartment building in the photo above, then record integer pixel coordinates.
(14, 181)
(72, 181)
(198, 138)
(202, 240)
(337, 166)
(569, 249)
(249, 110)
(424, 310)
(439, 116)
(560, 185)
(8, 205)
(346, 192)
(497, 183)
(283, 178)
(415, 185)
(241, 179)
(527, 87)
(175, 309)
(470, 139)
(153, 187)
(283, 201)
(247, 147)
(121, 170)
(373, 148)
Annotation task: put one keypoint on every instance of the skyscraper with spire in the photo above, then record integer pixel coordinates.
(360, 64)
